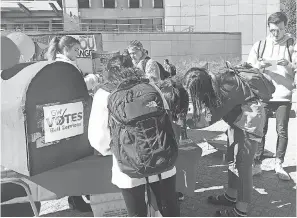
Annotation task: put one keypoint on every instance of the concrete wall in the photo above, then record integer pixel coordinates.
(246, 16)
(174, 46)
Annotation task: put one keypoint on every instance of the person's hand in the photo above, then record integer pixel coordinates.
(264, 64)
(282, 62)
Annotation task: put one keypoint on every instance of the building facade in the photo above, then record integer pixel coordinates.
(41, 15)
(246, 16)
(145, 15)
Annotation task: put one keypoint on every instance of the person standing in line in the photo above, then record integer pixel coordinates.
(277, 47)
(142, 61)
(169, 68)
(100, 134)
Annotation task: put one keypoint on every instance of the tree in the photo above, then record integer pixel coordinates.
(289, 8)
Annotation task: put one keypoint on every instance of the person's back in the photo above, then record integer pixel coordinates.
(103, 128)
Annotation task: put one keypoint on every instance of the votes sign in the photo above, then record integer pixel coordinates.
(63, 121)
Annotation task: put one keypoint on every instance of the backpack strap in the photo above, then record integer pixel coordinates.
(149, 198)
(288, 48)
(144, 62)
(261, 49)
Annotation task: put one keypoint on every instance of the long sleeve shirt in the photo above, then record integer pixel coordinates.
(283, 77)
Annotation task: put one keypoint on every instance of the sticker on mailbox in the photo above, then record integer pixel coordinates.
(63, 121)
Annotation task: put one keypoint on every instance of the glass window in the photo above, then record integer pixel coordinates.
(134, 3)
(83, 4)
(109, 4)
(158, 3)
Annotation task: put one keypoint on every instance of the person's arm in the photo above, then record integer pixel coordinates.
(253, 56)
(98, 131)
(152, 71)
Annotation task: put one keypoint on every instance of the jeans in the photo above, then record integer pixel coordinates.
(164, 192)
(241, 147)
(282, 114)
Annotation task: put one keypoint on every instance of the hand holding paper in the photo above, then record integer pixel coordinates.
(271, 65)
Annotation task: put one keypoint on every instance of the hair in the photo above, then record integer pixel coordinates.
(135, 44)
(166, 61)
(175, 95)
(120, 69)
(57, 45)
(125, 52)
(171, 94)
(277, 18)
(200, 84)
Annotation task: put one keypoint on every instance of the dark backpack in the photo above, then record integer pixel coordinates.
(172, 69)
(143, 140)
(260, 83)
(164, 74)
(262, 46)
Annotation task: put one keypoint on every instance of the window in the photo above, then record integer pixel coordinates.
(83, 4)
(109, 3)
(134, 4)
(157, 3)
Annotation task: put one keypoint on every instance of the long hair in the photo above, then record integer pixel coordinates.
(57, 45)
(201, 87)
(120, 69)
(171, 94)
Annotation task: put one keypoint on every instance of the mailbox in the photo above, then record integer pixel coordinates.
(45, 108)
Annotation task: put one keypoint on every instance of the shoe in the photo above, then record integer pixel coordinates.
(180, 196)
(279, 170)
(223, 199)
(78, 203)
(230, 213)
(256, 169)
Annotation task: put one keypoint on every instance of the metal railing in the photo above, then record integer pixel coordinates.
(95, 27)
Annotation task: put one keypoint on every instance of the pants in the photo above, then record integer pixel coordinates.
(282, 111)
(240, 153)
(164, 193)
(182, 121)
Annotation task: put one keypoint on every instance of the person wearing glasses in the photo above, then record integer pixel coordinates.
(274, 56)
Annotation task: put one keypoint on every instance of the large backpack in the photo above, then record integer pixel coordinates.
(143, 140)
(260, 83)
(164, 74)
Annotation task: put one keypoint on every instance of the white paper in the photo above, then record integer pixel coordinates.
(273, 66)
(63, 121)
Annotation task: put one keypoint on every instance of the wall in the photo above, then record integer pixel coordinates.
(246, 16)
(175, 46)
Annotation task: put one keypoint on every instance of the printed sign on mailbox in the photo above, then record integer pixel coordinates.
(63, 121)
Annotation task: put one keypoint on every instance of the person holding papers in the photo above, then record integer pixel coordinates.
(274, 56)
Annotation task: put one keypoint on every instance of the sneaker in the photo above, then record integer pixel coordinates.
(279, 170)
(180, 196)
(256, 169)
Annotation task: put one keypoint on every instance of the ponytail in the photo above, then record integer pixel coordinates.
(53, 48)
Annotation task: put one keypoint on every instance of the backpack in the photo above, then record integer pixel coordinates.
(259, 83)
(164, 74)
(262, 46)
(173, 70)
(143, 140)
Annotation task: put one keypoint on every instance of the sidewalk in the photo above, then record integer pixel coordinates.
(271, 196)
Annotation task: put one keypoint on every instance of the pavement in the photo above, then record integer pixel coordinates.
(271, 197)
